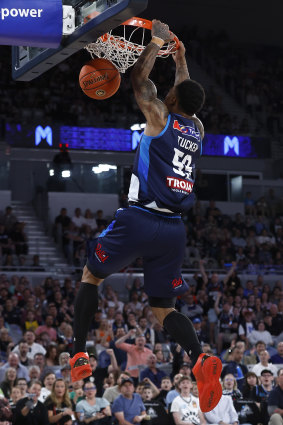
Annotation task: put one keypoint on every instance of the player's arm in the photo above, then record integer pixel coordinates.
(145, 91)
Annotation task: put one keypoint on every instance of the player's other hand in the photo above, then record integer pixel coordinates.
(180, 53)
(161, 30)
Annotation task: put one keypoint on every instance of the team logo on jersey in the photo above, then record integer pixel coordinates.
(100, 254)
(177, 283)
(180, 184)
(185, 129)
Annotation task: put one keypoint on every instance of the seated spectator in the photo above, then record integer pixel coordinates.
(9, 381)
(51, 355)
(103, 335)
(111, 393)
(39, 361)
(94, 409)
(128, 406)
(111, 380)
(156, 413)
(137, 353)
(99, 373)
(33, 347)
(263, 364)
(229, 385)
(152, 372)
(175, 391)
(23, 353)
(188, 412)
(191, 309)
(34, 373)
(48, 328)
(261, 334)
(235, 367)
(264, 389)
(250, 387)
(166, 386)
(30, 410)
(77, 393)
(224, 412)
(15, 396)
(278, 357)
(275, 401)
(247, 325)
(13, 361)
(48, 382)
(227, 323)
(58, 404)
(23, 386)
(31, 323)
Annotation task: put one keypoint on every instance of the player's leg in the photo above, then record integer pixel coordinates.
(206, 369)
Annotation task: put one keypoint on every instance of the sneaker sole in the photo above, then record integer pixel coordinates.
(210, 390)
(80, 372)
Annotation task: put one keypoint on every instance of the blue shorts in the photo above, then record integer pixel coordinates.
(136, 232)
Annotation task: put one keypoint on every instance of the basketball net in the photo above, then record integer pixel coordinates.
(121, 50)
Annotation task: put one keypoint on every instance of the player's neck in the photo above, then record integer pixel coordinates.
(174, 109)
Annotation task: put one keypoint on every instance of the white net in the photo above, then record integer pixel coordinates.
(122, 50)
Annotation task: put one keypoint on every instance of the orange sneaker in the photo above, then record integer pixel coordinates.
(207, 371)
(80, 367)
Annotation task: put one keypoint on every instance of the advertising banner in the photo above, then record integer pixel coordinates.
(34, 23)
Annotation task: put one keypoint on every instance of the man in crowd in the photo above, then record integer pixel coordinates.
(29, 410)
(112, 393)
(13, 361)
(235, 367)
(33, 347)
(278, 357)
(128, 408)
(152, 372)
(137, 353)
(263, 364)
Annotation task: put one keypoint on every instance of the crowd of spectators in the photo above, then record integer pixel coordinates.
(140, 374)
(253, 240)
(251, 75)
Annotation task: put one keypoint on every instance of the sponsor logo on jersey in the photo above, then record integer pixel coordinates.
(100, 254)
(181, 184)
(185, 129)
(177, 283)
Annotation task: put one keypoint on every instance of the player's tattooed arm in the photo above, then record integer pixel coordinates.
(182, 72)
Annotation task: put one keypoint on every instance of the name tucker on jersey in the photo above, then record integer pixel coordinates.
(187, 144)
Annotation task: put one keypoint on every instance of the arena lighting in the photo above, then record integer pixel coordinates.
(100, 168)
(51, 172)
(137, 127)
(66, 174)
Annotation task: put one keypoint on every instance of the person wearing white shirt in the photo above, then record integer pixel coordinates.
(78, 219)
(263, 364)
(185, 407)
(34, 347)
(224, 413)
(260, 335)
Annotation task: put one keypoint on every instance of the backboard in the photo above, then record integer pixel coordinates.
(92, 19)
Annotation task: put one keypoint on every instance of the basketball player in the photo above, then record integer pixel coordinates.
(151, 227)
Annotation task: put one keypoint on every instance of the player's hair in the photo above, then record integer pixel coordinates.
(190, 96)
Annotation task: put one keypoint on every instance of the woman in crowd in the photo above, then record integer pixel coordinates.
(48, 382)
(103, 335)
(229, 386)
(250, 388)
(9, 381)
(51, 355)
(59, 405)
(93, 410)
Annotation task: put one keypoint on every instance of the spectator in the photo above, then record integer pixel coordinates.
(174, 392)
(100, 373)
(166, 386)
(128, 406)
(13, 361)
(33, 347)
(48, 382)
(278, 357)
(250, 387)
(152, 372)
(77, 393)
(247, 325)
(191, 309)
(137, 353)
(260, 335)
(23, 353)
(111, 393)
(23, 386)
(156, 413)
(263, 364)
(9, 381)
(188, 412)
(235, 367)
(229, 385)
(275, 401)
(30, 410)
(264, 389)
(58, 404)
(224, 412)
(34, 373)
(39, 361)
(95, 410)
(227, 323)
(15, 396)
(48, 328)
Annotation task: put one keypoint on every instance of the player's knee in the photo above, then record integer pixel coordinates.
(161, 307)
(89, 277)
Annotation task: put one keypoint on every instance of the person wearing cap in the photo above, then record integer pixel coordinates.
(152, 372)
(263, 364)
(95, 410)
(247, 324)
(202, 336)
(275, 401)
(111, 393)
(128, 408)
(264, 389)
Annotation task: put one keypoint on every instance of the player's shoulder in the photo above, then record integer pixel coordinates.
(199, 125)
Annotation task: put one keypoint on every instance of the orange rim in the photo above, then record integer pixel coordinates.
(141, 23)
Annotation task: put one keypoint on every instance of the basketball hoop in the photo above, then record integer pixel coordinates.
(123, 45)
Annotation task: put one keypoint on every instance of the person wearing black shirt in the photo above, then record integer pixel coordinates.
(275, 401)
(29, 410)
(156, 413)
(100, 373)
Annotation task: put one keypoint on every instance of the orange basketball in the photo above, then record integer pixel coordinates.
(99, 79)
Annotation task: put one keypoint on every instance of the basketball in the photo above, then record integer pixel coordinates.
(99, 79)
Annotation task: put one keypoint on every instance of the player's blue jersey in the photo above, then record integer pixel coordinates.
(163, 174)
